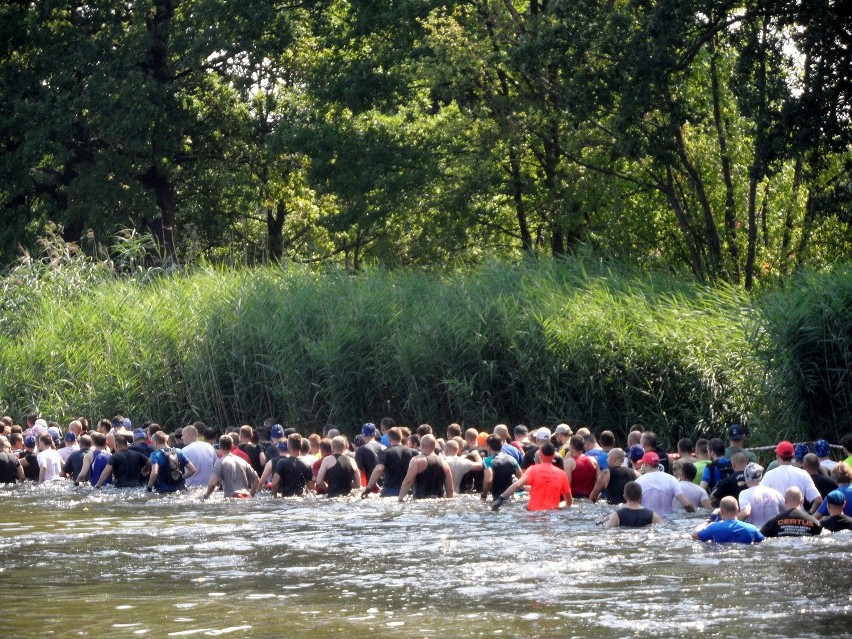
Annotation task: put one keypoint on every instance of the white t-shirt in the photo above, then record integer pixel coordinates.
(694, 493)
(828, 464)
(459, 467)
(203, 456)
(50, 460)
(784, 476)
(66, 451)
(765, 504)
(658, 491)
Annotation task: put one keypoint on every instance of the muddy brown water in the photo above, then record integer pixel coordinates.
(84, 563)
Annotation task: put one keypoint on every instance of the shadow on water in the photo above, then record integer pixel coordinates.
(126, 563)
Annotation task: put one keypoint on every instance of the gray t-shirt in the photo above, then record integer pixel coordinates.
(234, 475)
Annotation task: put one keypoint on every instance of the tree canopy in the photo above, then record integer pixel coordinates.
(712, 136)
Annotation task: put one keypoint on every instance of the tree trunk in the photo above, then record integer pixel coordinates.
(274, 228)
(685, 228)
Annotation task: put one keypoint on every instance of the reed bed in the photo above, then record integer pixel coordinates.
(531, 343)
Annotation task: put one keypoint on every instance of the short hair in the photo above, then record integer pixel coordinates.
(633, 491)
(650, 439)
(160, 437)
(395, 435)
(98, 439)
(685, 445)
(589, 439)
(413, 439)
(729, 504)
(306, 446)
(105, 423)
(453, 430)
(325, 445)
(85, 442)
(846, 442)
(471, 434)
(424, 429)
(842, 473)
(209, 433)
(607, 439)
(716, 446)
(547, 450)
(121, 441)
(688, 471)
(192, 430)
(246, 431)
(701, 446)
(576, 443)
(15, 438)
(338, 444)
(294, 442)
(739, 458)
(495, 443)
(617, 456)
(386, 424)
(226, 443)
(811, 461)
(46, 439)
(793, 495)
(451, 446)
(502, 431)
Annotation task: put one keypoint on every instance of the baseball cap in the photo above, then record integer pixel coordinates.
(358, 440)
(520, 429)
(637, 453)
(29, 441)
(753, 472)
(736, 432)
(542, 433)
(282, 445)
(836, 498)
(70, 437)
(368, 429)
(139, 434)
(784, 450)
(651, 458)
(800, 451)
(39, 427)
(821, 448)
(277, 431)
(563, 429)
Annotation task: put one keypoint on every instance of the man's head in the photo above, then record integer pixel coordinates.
(470, 436)
(648, 441)
(99, 440)
(633, 492)
(701, 449)
(577, 444)
(633, 439)
(120, 442)
(607, 440)
(728, 508)
(159, 439)
(494, 444)
(842, 473)
(589, 442)
(502, 431)
(752, 474)
(541, 436)
(793, 497)
(736, 435)
(615, 458)
(85, 442)
(45, 441)
(685, 447)
(835, 501)
(246, 433)
(395, 436)
(810, 464)
(716, 447)
(76, 427)
(822, 449)
(688, 471)
(451, 448)
(190, 434)
(650, 462)
(453, 430)
(784, 452)
(294, 444)
(521, 432)
(338, 444)
(325, 447)
(424, 429)
(226, 444)
(368, 431)
(387, 423)
(739, 460)
(428, 444)
(546, 453)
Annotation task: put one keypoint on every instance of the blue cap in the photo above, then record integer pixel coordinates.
(282, 445)
(800, 451)
(821, 448)
(139, 434)
(277, 431)
(70, 437)
(29, 441)
(636, 452)
(736, 432)
(358, 440)
(368, 429)
(128, 424)
(836, 498)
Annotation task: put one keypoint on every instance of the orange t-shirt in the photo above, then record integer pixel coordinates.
(548, 484)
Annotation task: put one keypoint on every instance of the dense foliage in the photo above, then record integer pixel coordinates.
(712, 136)
(532, 343)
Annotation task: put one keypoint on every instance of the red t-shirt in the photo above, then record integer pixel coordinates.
(583, 476)
(548, 484)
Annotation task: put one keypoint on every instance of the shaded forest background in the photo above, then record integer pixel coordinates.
(705, 136)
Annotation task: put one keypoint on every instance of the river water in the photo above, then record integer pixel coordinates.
(84, 563)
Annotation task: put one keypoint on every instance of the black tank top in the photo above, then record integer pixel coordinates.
(503, 474)
(634, 517)
(395, 460)
(253, 452)
(339, 479)
(430, 482)
(618, 478)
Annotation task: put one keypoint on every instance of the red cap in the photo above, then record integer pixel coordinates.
(784, 450)
(651, 458)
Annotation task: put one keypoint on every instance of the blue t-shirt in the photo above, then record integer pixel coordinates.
(600, 455)
(731, 531)
(847, 509)
(513, 452)
(163, 485)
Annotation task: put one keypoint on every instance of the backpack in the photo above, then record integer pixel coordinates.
(174, 472)
(718, 472)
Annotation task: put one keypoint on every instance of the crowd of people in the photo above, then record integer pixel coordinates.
(803, 491)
